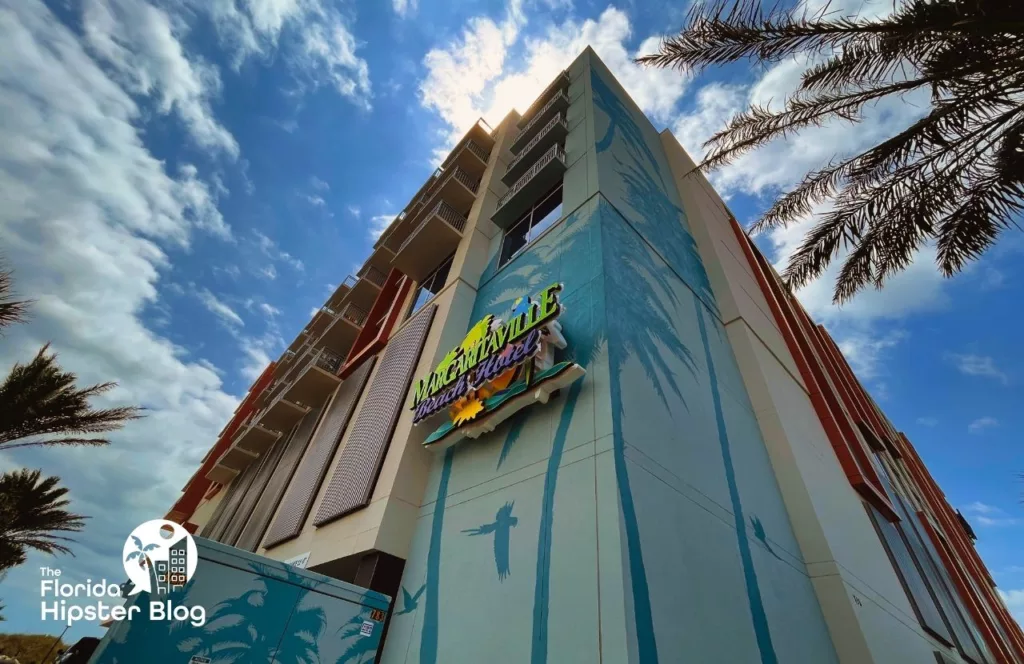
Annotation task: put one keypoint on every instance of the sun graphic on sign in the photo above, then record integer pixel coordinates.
(465, 410)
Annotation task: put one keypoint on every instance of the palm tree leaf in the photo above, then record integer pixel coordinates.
(32, 516)
(40, 405)
(11, 310)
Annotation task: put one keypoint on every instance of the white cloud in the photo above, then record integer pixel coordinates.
(978, 507)
(989, 515)
(319, 44)
(274, 252)
(928, 421)
(716, 103)
(319, 184)
(475, 76)
(141, 44)
(354, 210)
(218, 308)
(269, 309)
(269, 272)
(866, 352)
(379, 224)
(316, 201)
(1014, 600)
(256, 359)
(979, 425)
(230, 270)
(977, 365)
(404, 7)
(86, 216)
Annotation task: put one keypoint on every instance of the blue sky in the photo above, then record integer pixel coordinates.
(183, 182)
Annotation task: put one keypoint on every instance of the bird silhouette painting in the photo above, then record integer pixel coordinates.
(502, 524)
(410, 602)
(761, 536)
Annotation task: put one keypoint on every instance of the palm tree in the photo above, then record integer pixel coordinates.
(141, 553)
(40, 405)
(31, 514)
(955, 177)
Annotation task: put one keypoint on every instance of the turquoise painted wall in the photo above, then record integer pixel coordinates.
(636, 517)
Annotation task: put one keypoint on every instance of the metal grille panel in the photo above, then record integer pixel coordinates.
(236, 490)
(267, 462)
(270, 497)
(300, 496)
(357, 469)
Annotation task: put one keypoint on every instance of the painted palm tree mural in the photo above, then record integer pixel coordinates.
(246, 628)
(649, 208)
(526, 274)
(640, 288)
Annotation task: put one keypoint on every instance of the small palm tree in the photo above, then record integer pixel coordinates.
(31, 514)
(955, 177)
(141, 553)
(39, 403)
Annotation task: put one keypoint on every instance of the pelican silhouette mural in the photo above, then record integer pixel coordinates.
(761, 536)
(410, 602)
(501, 527)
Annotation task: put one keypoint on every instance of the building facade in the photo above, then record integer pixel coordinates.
(710, 483)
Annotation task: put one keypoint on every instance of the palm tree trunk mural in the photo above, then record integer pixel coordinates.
(655, 210)
(431, 611)
(542, 584)
(757, 612)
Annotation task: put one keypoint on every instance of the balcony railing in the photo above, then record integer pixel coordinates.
(373, 275)
(560, 81)
(556, 121)
(484, 155)
(554, 152)
(327, 360)
(466, 179)
(560, 99)
(446, 212)
(354, 315)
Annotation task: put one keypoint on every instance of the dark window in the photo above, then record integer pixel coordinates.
(432, 284)
(534, 221)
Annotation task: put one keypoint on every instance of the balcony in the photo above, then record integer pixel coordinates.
(471, 157)
(437, 236)
(222, 474)
(339, 294)
(321, 320)
(282, 414)
(343, 331)
(554, 131)
(367, 287)
(317, 379)
(256, 438)
(542, 176)
(561, 82)
(555, 106)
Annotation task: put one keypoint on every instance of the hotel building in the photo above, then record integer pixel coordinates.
(706, 480)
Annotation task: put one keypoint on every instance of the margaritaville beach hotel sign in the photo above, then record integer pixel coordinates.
(500, 367)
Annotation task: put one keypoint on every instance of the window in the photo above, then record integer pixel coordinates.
(432, 284)
(534, 221)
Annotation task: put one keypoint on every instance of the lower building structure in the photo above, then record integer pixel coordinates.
(568, 412)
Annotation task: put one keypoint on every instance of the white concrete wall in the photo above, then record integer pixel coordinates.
(869, 615)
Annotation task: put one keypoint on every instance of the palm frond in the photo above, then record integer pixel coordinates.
(32, 516)
(952, 178)
(40, 405)
(11, 310)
